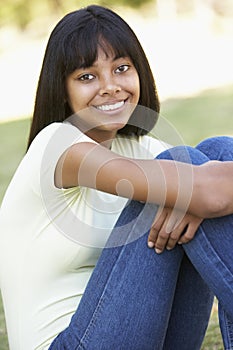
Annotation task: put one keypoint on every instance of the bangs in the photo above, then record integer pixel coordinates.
(81, 47)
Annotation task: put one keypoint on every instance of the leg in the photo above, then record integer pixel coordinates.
(144, 281)
(217, 148)
(221, 148)
(128, 300)
(211, 254)
(191, 310)
(211, 249)
(193, 299)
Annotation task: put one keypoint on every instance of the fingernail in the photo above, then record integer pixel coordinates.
(168, 248)
(158, 251)
(150, 244)
(180, 243)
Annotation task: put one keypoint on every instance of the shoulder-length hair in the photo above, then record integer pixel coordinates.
(74, 44)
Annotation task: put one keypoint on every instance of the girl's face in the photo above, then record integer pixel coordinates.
(104, 95)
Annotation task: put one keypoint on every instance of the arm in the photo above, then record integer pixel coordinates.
(216, 180)
(197, 189)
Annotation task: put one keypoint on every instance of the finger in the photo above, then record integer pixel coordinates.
(175, 219)
(156, 227)
(176, 235)
(190, 232)
(188, 235)
(162, 238)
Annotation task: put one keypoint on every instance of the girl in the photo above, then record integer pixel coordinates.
(88, 153)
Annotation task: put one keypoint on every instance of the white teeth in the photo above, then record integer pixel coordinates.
(110, 107)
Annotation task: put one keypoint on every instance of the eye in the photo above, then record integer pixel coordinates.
(86, 77)
(122, 68)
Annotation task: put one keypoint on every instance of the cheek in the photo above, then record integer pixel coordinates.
(70, 95)
(78, 98)
(136, 89)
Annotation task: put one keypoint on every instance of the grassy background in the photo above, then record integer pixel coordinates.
(198, 117)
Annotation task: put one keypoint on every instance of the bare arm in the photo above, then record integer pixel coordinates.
(173, 226)
(216, 179)
(205, 191)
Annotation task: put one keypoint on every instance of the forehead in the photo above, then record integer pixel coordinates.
(80, 55)
(106, 50)
(105, 54)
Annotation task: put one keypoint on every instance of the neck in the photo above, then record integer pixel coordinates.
(102, 137)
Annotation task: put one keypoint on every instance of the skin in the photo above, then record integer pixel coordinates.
(103, 96)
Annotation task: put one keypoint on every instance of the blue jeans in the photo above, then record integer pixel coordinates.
(138, 300)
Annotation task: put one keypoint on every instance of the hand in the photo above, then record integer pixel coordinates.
(171, 227)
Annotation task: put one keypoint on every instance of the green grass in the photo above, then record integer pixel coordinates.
(201, 116)
(213, 339)
(195, 118)
(13, 136)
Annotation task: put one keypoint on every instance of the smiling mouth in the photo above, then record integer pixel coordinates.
(111, 107)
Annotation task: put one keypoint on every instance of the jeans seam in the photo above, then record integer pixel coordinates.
(95, 315)
(226, 333)
(225, 274)
(215, 260)
(229, 335)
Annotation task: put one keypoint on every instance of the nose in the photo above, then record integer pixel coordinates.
(109, 86)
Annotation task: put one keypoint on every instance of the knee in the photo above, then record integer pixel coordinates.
(217, 148)
(184, 154)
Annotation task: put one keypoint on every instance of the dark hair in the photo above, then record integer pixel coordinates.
(74, 44)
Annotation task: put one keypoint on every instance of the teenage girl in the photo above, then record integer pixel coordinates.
(89, 180)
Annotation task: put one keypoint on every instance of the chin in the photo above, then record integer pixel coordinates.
(114, 126)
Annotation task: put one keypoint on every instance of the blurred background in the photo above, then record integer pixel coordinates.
(189, 44)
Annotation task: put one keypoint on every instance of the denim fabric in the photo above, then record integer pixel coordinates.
(138, 300)
(211, 250)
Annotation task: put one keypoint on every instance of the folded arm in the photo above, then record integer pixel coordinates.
(205, 191)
